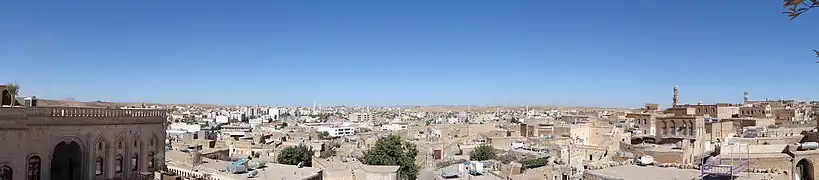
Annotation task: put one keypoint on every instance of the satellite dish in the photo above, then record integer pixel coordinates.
(252, 174)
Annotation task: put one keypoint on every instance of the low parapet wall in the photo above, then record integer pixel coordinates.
(79, 112)
(81, 115)
(589, 175)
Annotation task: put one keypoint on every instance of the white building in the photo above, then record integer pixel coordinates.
(454, 120)
(393, 127)
(185, 127)
(338, 131)
(222, 119)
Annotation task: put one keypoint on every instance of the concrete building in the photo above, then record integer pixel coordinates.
(338, 131)
(393, 127)
(80, 143)
(361, 117)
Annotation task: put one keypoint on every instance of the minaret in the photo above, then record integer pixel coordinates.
(676, 97)
(745, 98)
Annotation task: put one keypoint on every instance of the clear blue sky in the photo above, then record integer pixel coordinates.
(595, 53)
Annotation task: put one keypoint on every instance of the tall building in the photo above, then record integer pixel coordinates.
(361, 117)
(676, 98)
(80, 143)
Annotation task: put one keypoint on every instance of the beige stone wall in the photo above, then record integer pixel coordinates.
(755, 112)
(727, 112)
(26, 136)
(590, 175)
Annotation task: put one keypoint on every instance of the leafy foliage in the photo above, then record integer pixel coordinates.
(329, 150)
(482, 153)
(534, 163)
(293, 155)
(323, 135)
(799, 7)
(13, 89)
(392, 151)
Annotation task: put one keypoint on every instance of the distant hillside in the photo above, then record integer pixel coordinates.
(493, 108)
(67, 103)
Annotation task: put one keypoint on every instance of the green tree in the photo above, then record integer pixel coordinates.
(294, 155)
(392, 151)
(329, 149)
(13, 88)
(799, 7)
(482, 153)
(323, 135)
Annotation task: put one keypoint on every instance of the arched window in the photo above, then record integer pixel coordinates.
(98, 166)
(33, 171)
(119, 164)
(6, 173)
(135, 162)
(151, 160)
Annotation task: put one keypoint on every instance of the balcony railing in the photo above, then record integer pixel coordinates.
(79, 112)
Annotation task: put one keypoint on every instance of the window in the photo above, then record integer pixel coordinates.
(119, 144)
(152, 143)
(135, 143)
(98, 166)
(118, 165)
(33, 171)
(151, 160)
(100, 145)
(135, 162)
(6, 173)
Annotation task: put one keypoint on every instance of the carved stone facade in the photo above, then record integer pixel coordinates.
(80, 143)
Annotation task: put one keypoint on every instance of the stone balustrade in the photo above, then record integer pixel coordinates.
(79, 112)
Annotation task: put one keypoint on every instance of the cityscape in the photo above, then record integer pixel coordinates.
(219, 91)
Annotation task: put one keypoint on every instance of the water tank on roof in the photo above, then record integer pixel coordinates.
(236, 169)
(808, 145)
(31, 101)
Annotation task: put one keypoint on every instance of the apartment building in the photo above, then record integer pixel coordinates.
(361, 117)
(338, 131)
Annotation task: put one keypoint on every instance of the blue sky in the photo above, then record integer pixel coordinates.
(593, 53)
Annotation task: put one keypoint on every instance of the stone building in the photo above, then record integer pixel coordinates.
(80, 143)
(720, 110)
(645, 122)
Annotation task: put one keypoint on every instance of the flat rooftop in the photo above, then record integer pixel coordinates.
(217, 168)
(660, 173)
